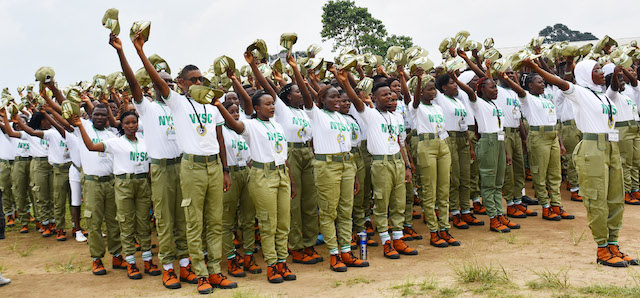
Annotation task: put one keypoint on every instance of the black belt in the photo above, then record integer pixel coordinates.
(269, 165)
(299, 145)
(626, 123)
(427, 136)
(595, 136)
(542, 128)
(457, 134)
(511, 129)
(387, 157)
(165, 161)
(132, 176)
(569, 122)
(200, 158)
(339, 157)
(20, 158)
(41, 158)
(7, 161)
(98, 178)
(62, 165)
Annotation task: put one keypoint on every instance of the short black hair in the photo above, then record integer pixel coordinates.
(36, 120)
(100, 106)
(441, 81)
(377, 86)
(187, 69)
(227, 104)
(379, 78)
(528, 78)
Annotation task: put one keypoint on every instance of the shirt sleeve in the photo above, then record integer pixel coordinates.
(218, 117)
(525, 98)
(24, 136)
(366, 114)
(46, 134)
(110, 145)
(571, 94)
(247, 128)
(141, 107)
(312, 112)
(172, 99)
(613, 95)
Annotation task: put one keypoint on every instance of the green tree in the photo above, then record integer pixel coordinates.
(560, 32)
(349, 25)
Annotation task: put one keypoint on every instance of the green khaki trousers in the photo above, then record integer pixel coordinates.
(238, 207)
(20, 188)
(6, 167)
(387, 179)
(100, 205)
(544, 162)
(335, 182)
(133, 202)
(41, 185)
(408, 207)
(367, 187)
(60, 193)
(413, 141)
(571, 136)
(629, 146)
(474, 177)
(514, 174)
(359, 205)
(459, 190)
(491, 166)
(601, 185)
(202, 189)
(304, 206)
(170, 221)
(435, 169)
(270, 190)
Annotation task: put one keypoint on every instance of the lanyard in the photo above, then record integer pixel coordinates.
(167, 115)
(97, 136)
(388, 124)
(196, 112)
(610, 111)
(457, 103)
(134, 145)
(497, 112)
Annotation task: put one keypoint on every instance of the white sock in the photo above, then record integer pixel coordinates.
(167, 266)
(334, 251)
(466, 211)
(184, 262)
(345, 249)
(147, 256)
(476, 200)
(384, 237)
(397, 235)
(546, 206)
(455, 212)
(510, 203)
(130, 259)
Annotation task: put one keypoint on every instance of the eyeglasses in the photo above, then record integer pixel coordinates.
(196, 79)
(598, 70)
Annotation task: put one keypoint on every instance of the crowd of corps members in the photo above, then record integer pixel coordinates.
(315, 156)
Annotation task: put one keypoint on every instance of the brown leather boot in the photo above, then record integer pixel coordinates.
(605, 257)
(204, 287)
(284, 270)
(311, 252)
(352, 261)
(497, 226)
(412, 232)
(478, 208)
(234, 268)
(187, 275)
(273, 276)
(221, 281)
(118, 263)
(300, 257)
(170, 280)
(403, 248)
(508, 223)
(564, 214)
(447, 237)
(336, 264)
(615, 250)
(389, 252)
(471, 220)
(548, 214)
(459, 223)
(514, 212)
(151, 268)
(437, 241)
(133, 272)
(525, 210)
(97, 268)
(628, 199)
(250, 265)
(576, 197)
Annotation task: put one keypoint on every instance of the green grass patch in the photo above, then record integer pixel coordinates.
(548, 279)
(610, 291)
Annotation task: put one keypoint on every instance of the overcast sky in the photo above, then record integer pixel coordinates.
(68, 35)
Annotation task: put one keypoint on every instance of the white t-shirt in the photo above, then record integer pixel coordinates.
(355, 131)
(236, 147)
(564, 107)
(296, 123)
(74, 149)
(550, 92)
(454, 112)
(58, 149)
(538, 110)
(266, 140)
(627, 108)
(363, 126)
(7, 148)
(430, 119)
(508, 102)
(160, 129)
(331, 131)
(591, 109)
(37, 146)
(632, 92)
(22, 147)
(128, 157)
(95, 163)
(403, 129)
(403, 109)
(489, 116)
(470, 119)
(383, 131)
(193, 138)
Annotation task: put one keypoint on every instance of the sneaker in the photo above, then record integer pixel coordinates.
(525, 210)
(352, 261)
(369, 227)
(118, 263)
(80, 237)
(628, 199)
(615, 250)
(336, 264)
(529, 201)
(85, 233)
(478, 208)
(444, 235)
(97, 268)
(250, 265)
(437, 241)
(564, 214)
(310, 251)
(300, 257)
(607, 258)
(4, 281)
(133, 272)
(273, 276)
(548, 214)
(151, 268)
(508, 223)
(416, 215)
(204, 287)
(389, 251)
(471, 220)
(11, 222)
(187, 275)
(170, 280)
(61, 235)
(403, 248)
(458, 223)
(496, 225)
(47, 231)
(234, 268)
(576, 197)
(285, 272)
(514, 212)
(412, 232)
(221, 281)
(24, 229)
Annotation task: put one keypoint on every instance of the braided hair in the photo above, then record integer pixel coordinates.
(284, 93)
(479, 85)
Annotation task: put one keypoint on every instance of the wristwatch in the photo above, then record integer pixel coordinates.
(225, 169)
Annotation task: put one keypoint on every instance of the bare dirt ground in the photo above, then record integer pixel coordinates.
(541, 259)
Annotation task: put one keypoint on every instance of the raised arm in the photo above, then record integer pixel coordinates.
(632, 77)
(56, 92)
(87, 102)
(472, 65)
(242, 94)
(355, 99)
(237, 126)
(138, 43)
(615, 82)
(463, 86)
(549, 78)
(403, 84)
(313, 80)
(515, 86)
(308, 101)
(26, 128)
(85, 137)
(7, 127)
(418, 92)
(58, 118)
(136, 91)
(50, 102)
(259, 77)
(54, 123)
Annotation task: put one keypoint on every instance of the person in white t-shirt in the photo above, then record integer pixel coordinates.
(204, 174)
(132, 190)
(7, 158)
(390, 168)
(627, 125)
(597, 157)
(270, 184)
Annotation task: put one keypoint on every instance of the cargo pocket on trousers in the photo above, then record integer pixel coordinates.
(263, 219)
(87, 213)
